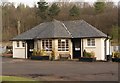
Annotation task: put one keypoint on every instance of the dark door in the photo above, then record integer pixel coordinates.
(76, 48)
(30, 47)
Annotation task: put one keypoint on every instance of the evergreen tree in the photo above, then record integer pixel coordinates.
(42, 9)
(114, 34)
(74, 11)
(53, 10)
(99, 7)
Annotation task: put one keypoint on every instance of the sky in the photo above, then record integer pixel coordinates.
(32, 2)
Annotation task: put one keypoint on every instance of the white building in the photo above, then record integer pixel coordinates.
(64, 37)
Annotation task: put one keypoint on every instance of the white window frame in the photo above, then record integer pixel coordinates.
(63, 45)
(91, 42)
(17, 44)
(47, 44)
(23, 44)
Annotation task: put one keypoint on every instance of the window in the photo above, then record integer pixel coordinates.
(18, 44)
(23, 44)
(47, 45)
(63, 45)
(91, 42)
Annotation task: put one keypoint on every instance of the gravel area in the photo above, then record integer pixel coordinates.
(61, 70)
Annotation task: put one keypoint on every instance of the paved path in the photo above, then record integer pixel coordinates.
(61, 70)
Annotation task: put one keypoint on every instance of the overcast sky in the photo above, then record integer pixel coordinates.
(32, 2)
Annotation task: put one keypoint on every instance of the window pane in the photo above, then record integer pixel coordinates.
(17, 43)
(47, 45)
(23, 44)
(63, 45)
(91, 42)
(67, 49)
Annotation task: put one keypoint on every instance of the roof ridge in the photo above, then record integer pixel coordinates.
(53, 22)
(67, 29)
(53, 27)
(62, 24)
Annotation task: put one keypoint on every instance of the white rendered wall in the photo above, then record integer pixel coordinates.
(19, 52)
(108, 52)
(35, 44)
(98, 49)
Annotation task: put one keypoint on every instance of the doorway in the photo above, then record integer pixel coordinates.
(30, 47)
(76, 48)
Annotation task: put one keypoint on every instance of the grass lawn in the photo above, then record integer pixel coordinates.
(14, 79)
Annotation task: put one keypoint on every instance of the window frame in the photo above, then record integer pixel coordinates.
(63, 45)
(91, 42)
(23, 43)
(47, 44)
(17, 44)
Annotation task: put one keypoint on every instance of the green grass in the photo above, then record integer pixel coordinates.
(14, 79)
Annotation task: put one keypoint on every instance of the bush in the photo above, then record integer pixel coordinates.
(52, 55)
(43, 53)
(116, 54)
(34, 52)
(88, 54)
(39, 53)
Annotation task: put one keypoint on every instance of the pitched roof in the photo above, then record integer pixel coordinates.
(61, 29)
(54, 29)
(81, 29)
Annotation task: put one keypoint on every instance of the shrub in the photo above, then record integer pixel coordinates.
(88, 54)
(36, 53)
(43, 53)
(116, 54)
(92, 54)
(52, 55)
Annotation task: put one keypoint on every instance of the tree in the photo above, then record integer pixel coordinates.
(99, 7)
(115, 34)
(42, 9)
(74, 11)
(30, 17)
(53, 10)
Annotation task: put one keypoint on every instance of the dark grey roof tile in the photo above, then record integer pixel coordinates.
(64, 29)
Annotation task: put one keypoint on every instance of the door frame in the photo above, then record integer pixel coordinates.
(29, 42)
(76, 51)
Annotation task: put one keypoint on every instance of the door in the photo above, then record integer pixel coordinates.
(30, 47)
(76, 48)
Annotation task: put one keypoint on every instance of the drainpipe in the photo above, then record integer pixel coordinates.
(109, 49)
(106, 47)
(82, 48)
(37, 44)
(25, 49)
